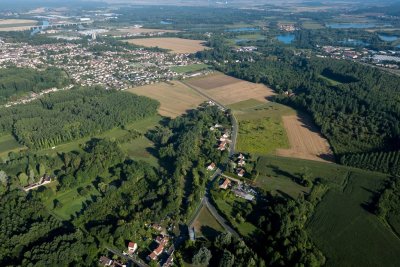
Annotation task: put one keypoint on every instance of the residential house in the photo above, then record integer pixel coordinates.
(132, 247)
(225, 184)
(241, 162)
(211, 167)
(240, 172)
(104, 261)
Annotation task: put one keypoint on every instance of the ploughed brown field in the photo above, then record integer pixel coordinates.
(175, 97)
(305, 140)
(176, 45)
(228, 90)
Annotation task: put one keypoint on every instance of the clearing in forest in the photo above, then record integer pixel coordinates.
(175, 97)
(228, 90)
(305, 140)
(176, 45)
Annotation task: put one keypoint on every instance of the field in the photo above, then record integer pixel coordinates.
(138, 149)
(175, 97)
(347, 233)
(8, 144)
(312, 25)
(206, 225)
(260, 126)
(341, 226)
(176, 45)
(16, 24)
(228, 90)
(190, 68)
(305, 140)
(133, 30)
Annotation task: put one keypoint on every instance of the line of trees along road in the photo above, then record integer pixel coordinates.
(355, 106)
(69, 115)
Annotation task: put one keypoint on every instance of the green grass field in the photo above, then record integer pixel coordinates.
(206, 225)
(190, 68)
(71, 201)
(341, 227)
(137, 149)
(347, 233)
(329, 80)
(312, 25)
(261, 130)
(8, 144)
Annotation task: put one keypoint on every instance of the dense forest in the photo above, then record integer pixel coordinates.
(358, 112)
(387, 162)
(16, 81)
(69, 115)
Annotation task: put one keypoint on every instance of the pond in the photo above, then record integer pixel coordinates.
(388, 38)
(286, 38)
(243, 29)
(350, 25)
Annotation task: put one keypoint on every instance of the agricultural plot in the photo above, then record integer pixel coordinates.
(190, 68)
(305, 140)
(176, 45)
(206, 225)
(261, 129)
(16, 24)
(346, 232)
(228, 90)
(133, 30)
(175, 97)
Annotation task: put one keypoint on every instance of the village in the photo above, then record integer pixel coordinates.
(90, 65)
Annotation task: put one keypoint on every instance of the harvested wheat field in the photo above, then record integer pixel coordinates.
(305, 140)
(176, 45)
(175, 97)
(228, 90)
(16, 24)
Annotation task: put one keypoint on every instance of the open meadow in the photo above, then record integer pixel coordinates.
(133, 30)
(9, 144)
(175, 97)
(176, 45)
(229, 90)
(261, 129)
(305, 140)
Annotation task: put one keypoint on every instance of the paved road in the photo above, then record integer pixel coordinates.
(233, 118)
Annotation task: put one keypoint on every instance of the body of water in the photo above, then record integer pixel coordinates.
(350, 25)
(388, 38)
(243, 29)
(286, 38)
(163, 22)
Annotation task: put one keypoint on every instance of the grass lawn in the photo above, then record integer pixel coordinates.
(190, 68)
(261, 130)
(206, 225)
(9, 144)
